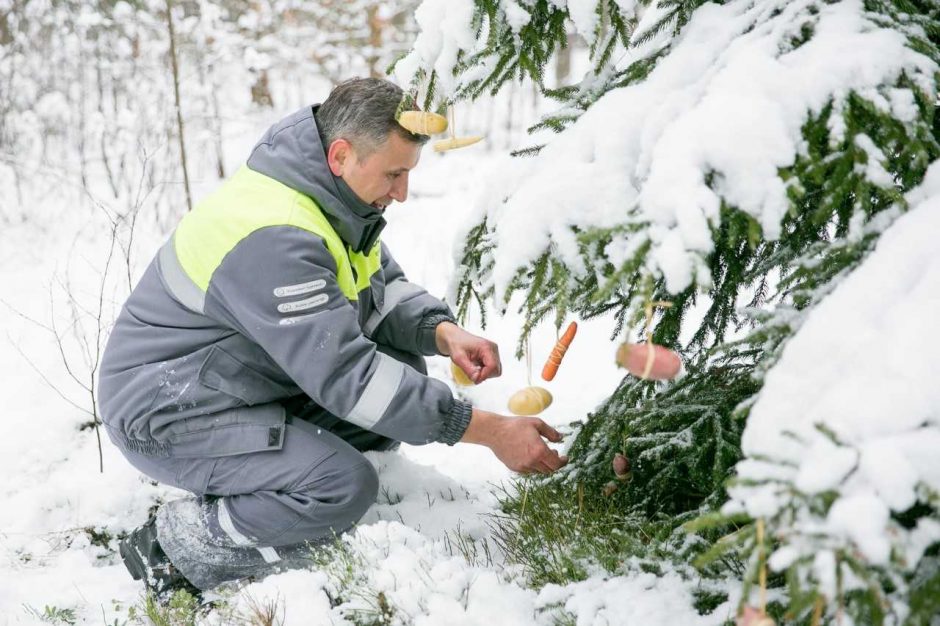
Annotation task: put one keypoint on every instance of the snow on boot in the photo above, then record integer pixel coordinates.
(196, 542)
(146, 560)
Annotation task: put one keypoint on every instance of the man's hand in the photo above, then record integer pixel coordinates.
(476, 356)
(516, 441)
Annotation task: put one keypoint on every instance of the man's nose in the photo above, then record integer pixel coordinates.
(399, 191)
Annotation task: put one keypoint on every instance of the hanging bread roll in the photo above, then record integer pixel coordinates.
(455, 142)
(423, 122)
(530, 401)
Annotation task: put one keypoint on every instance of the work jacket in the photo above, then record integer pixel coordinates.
(273, 286)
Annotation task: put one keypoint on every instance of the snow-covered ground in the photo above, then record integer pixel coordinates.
(53, 494)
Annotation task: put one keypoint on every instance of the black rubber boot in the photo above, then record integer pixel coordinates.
(145, 560)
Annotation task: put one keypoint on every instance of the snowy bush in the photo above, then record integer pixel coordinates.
(739, 160)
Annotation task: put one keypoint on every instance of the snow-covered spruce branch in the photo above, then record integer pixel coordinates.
(744, 160)
(657, 160)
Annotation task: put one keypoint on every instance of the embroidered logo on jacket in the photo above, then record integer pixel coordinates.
(303, 305)
(299, 289)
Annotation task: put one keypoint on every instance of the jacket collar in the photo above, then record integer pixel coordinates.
(292, 153)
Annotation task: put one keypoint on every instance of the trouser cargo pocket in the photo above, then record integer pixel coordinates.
(234, 431)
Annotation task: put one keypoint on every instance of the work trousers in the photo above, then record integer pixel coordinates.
(258, 513)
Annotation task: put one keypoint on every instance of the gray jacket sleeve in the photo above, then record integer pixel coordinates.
(279, 288)
(409, 315)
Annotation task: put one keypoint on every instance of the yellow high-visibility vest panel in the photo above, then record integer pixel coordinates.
(250, 201)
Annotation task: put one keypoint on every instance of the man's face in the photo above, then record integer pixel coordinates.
(379, 177)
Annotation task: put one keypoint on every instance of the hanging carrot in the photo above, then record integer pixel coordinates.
(558, 352)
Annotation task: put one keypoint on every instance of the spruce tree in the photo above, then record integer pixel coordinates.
(753, 246)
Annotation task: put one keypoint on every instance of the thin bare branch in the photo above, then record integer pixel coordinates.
(60, 345)
(46, 380)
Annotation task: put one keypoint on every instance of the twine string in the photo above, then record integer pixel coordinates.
(762, 574)
(650, 355)
(528, 362)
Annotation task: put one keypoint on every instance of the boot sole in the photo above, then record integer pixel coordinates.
(132, 560)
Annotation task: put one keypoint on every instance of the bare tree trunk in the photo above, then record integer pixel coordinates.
(105, 135)
(82, 115)
(261, 90)
(6, 37)
(510, 112)
(206, 79)
(563, 62)
(176, 93)
(376, 25)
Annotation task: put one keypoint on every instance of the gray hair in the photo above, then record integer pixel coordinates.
(362, 111)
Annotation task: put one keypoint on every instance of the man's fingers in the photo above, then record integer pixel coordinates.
(553, 460)
(553, 463)
(547, 460)
(497, 363)
(547, 431)
(491, 367)
(477, 357)
(544, 468)
(473, 364)
(468, 366)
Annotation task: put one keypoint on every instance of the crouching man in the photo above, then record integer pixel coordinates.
(273, 339)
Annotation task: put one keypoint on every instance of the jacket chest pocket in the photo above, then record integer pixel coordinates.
(225, 373)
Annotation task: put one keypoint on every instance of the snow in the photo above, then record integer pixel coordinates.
(640, 599)
(427, 586)
(446, 28)
(516, 16)
(862, 519)
(852, 407)
(584, 15)
(714, 122)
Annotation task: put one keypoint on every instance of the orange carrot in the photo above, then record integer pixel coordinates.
(558, 352)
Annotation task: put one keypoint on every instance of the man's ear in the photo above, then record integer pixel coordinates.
(338, 156)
